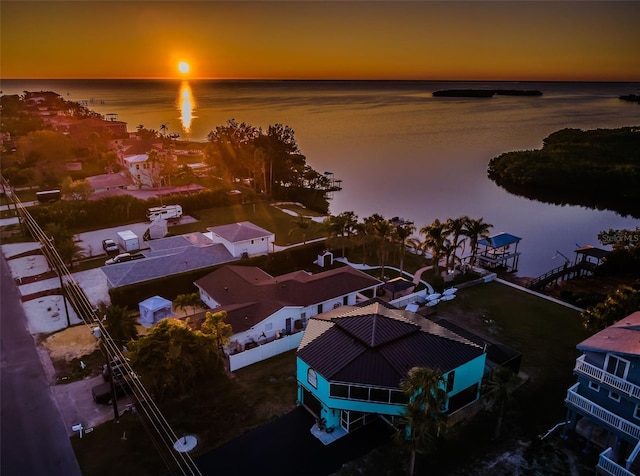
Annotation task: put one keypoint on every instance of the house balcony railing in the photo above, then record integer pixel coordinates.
(600, 414)
(606, 465)
(600, 375)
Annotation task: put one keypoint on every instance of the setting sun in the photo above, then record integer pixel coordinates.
(183, 67)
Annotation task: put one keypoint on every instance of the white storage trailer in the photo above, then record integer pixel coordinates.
(128, 240)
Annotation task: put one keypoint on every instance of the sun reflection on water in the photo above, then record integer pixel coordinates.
(186, 106)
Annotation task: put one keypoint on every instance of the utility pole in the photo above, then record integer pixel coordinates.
(97, 332)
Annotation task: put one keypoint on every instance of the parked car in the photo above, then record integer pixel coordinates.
(123, 257)
(110, 246)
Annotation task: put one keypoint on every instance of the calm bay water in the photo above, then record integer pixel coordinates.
(398, 150)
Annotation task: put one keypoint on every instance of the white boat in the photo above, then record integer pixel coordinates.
(449, 291)
(448, 297)
(433, 296)
(432, 302)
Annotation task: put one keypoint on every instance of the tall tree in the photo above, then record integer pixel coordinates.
(423, 421)
(402, 232)
(192, 300)
(172, 359)
(456, 228)
(502, 385)
(120, 323)
(301, 225)
(214, 325)
(617, 305)
(435, 240)
(476, 229)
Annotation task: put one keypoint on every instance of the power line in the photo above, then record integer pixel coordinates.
(157, 427)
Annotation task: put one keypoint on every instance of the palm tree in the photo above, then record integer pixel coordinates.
(69, 251)
(476, 230)
(422, 422)
(301, 224)
(435, 240)
(502, 385)
(456, 228)
(120, 323)
(363, 235)
(182, 301)
(402, 232)
(382, 232)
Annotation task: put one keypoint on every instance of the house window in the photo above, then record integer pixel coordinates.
(379, 395)
(303, 315)
(594, 386)
(268, 326)
(137, 166)
(338, 390)
(312, 378)
(319, 308)
(617, 366)
(251, 241)
(359, 393)
(345, 300)
(614, 396)
(636, 412)
(450, 377)
(337, 305)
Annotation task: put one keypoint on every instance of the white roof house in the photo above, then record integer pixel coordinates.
(243, 238)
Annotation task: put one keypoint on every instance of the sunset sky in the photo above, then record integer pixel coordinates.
(457, 40)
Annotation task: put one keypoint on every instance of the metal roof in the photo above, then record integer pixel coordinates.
(500, 240)
(377, 346)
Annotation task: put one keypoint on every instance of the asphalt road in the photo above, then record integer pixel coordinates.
(286, 447)
(33, 438)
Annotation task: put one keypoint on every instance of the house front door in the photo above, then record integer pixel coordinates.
(287, 325)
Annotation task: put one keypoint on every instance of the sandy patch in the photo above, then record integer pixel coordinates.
(47, 314)
(71, 343)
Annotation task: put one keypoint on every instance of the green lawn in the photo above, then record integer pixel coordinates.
(545, 333)
(263, 214)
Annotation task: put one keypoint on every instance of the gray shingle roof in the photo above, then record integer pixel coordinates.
(157, 264)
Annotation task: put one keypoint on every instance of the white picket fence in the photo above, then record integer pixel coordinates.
(264, 351)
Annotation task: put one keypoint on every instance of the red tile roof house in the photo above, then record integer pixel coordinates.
(268, 314)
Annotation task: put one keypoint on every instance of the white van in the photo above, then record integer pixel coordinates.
(168, 212)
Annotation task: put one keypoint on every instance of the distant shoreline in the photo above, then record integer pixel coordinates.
(485, 93)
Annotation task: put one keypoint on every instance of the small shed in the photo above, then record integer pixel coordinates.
(398, 285)
(157, 229)
(325, 259)
(153, 310)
